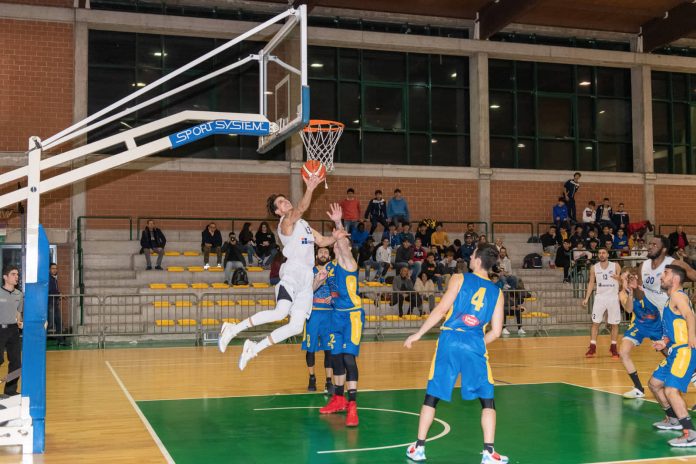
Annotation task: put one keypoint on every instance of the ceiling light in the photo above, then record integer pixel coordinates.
(138, 84)
(316, 65)
(160, 54)
(602, 112)
(453, 75)
(495, 106)
(433, 140)
(584, 83)
(377, 108)
(268, 92)
(520, 145)
(357, 121)
(588, 147)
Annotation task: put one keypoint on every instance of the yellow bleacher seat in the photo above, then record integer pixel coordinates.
(231, 320)
(200, 285)
(260, 285)
(225, 302)
(367, 301)
(535, 314)
(183, 304)
(373, 284)
(361, 284)
(164, 322)
(412, 317)
(424, 316)
(437, 299)
(205, 303)
(215, 269)
(186, 322)
(161, 304)
(219, 285)
(246, 302)
(240, 286)
(372, 318)
(208, 321)
(158, 286)
(191, 253)
(195, 268)
(179, 286)
(391, 317)
(171, 253)
(530, 299)
(175, 269)
(266, 302)
(254, 269)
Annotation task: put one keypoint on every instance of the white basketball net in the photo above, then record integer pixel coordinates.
(320, 138)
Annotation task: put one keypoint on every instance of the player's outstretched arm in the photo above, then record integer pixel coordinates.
(682, 305)
(319, 279)
(690, 272)
(344, 256)
(296, 213)
(335, 214)
(440, 310)
(496, 321)
(590, 287)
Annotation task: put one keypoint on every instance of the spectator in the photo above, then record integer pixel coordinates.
(605, 214)
(376, 212)
(639, 228)
(233, 257)
(620, 243)
(613, 254)
(402, 286)
(383, 256)
(680, 255)
(404, 256)
(589, 215)
(606, 235)
(577, 237)
(499, 244)
(514, 306)
(468, 248)
(639, 251)
(678, 239)
(560, 214)
(620, 218)
(397, 209)
(211, 240)
(351, 210)
(471, 231)
(482, 239)
(392, 235)
(435, 252)
(366, 258)
(570, 188)
(506, 277)
(274, 275)
(456, 249)
(406, 233)
(359, 236)
(591, 237)
(563, 257)
(152, 239)
(11, 321)
(691, 254)
(435, 271)
(425, 291)
(419, 255)
(266, 247)
(495, 278)
(439, 238)
(424, 234)
(449, 264)
(550, 241)
(55, 319)
(581, 254)
(594, 251)
(246, 242)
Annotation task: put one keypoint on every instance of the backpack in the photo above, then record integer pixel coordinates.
(240, 277)
(532, 261)
(534, 239)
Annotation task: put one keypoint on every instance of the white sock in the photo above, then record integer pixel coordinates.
(262, 345)
(593, 342)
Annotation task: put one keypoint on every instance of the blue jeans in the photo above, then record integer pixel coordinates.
(376, 265)
(510, 280)
(349, 225)
(249, 250)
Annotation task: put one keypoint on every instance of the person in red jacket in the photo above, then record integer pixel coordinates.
(351, 210)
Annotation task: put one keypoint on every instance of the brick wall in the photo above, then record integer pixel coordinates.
(675, 204)
(55, 205)
(58, 3)
(36, 80)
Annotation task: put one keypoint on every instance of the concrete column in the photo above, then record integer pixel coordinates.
(295, 154)
(78, 202)
(643, 156)
(479, 129)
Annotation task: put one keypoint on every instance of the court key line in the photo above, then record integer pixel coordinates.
(149, 428)
(445, 432)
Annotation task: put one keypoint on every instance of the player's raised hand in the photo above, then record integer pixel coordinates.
(321, 275)
(338, 234)
(335, 212)
(411, 340)
(312, 181)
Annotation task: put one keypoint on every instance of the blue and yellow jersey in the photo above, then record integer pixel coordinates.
(674, 326)
(344, 288)
(473, 308)
(645, 314)
(322, 295)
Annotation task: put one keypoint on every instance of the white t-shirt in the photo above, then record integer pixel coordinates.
(298, 247)
(651, 282)
(607, 285)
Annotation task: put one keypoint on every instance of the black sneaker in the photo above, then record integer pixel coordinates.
(149, 268)
(312, 387)
(329, 388)
(159, 268)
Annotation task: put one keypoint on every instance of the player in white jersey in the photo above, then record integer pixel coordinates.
(653, 268)
(294, 292)
(606, 276)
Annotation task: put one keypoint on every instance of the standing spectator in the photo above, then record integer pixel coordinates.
(359, 236)
(211, 240)
(589, 215)
(577, 237)
(351, 210)
(605, 214)
(620, 243)
(233, 257)
(403, 288)
(471, 231)
(246, 241)
(439, 238)
(620, 218)
(419, 254)
(383, 256)
(425, 291)
(266, 247)
(152, 239)
(392, 235)
(563, 258)
(397, 209)
(678, 239)
(11, 320)
(366, 258)
(434, 271)
(560, 214)
(406, 233)
(506, 277)
(376, 212)
(424, 234)
(55, 320)
(570, 188)
(550, 241)
(274, 275)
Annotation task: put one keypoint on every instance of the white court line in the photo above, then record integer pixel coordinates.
(446, 430)
(685, 458)
(149, 428)
(605, 391)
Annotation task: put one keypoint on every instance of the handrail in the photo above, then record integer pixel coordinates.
(659, 228)
(511, 223)
(231, 220)
(538, 232)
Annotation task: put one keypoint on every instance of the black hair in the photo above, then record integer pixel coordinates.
(52, 264)
(397, 190)
(605, 199)
(378, 192)
(457, 242)
(664, 242)
(561, 199)
(678, 271)
(350, 190)
(9, 268)
(577, 174)
(567, 241)
(591, 202)
(270, 204)
(488, 254)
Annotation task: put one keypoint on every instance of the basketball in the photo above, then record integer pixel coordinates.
(313, 167)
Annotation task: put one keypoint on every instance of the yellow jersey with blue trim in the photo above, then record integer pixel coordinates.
(344, 288)
(322, 295)
(674, 325)
(473, 308)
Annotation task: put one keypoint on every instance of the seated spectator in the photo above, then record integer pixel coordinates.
(495, 278)
(424, 234)
(499, 243)
(468, 248)
(482, 239)
(620, 243)
(276, 263)
(594, 251)
(266, 247)
(419, 255)
(605, 214)
(376, 212)
(435, 252)
(449, 264)
(211, 241)
(383, 257)
(613, 254)
(351, 211)
(514, 306)
(439, 238)
(563, 258)
(505, 266)
(550, 241)
(581, 255)
(246, 241)
(403, 288)
(435, 271)
(589, 215)
(606, 235)
(358, 236)
(366, 258)
(691, 254)
(591, 237)
(456, 249)
(678, 239)
(393, 235)
(620, 218)
(560, 214)
(425, 291)
(577, 237)
(404, 256)
(639, 251)
(152, 239)
(680, 255)
(471, 231)
(406, 233)
(233, 257)
(397, 209)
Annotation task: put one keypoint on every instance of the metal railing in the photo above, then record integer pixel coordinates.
(673, 228)
(511, 223)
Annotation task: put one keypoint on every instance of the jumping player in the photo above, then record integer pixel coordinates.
(606, 275)
(347, 321)
(294, 291)
(470, 303)
(317, 328)
(673, 374)
(645, 323)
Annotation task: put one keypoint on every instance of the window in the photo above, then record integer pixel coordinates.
(557, 116)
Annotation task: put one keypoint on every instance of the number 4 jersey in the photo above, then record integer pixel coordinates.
(473, 308)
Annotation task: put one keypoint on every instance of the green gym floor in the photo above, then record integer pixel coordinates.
(537, 423)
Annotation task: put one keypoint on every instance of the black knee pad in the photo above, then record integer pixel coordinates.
(327, 359)
(431, 401)
(351, 367)
(283, 294)
(310, 357)
(487, 403)
(337, 363)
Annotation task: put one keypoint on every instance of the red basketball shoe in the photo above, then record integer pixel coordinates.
(352, 414)
(336, 404)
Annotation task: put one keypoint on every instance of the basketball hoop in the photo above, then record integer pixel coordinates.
(320, 138)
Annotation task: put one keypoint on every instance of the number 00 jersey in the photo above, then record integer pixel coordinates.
(473, 308)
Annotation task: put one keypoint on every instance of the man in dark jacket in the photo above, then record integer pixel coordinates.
(621, 219)
(55, 323)
(211, 240)
(152, 239)
(563, 259)
(376, 211)
(678, 240)
(605, 215)
(233, 257)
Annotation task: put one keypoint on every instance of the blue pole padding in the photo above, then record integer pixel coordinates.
(34, 344)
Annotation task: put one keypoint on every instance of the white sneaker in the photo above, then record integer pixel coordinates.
(206, 267)
(415, 453)
(490, 458)
(521, 332)
(693, 379)
(506, 331)
(227, 333)
(248, 354)
(633, 394)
